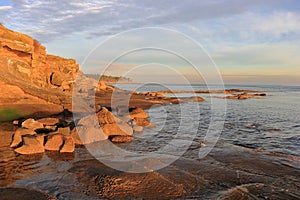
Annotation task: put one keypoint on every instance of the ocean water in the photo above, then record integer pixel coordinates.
(271, 123)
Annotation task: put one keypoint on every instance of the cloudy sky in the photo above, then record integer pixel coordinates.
(250, 41)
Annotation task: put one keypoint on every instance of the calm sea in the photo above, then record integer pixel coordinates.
(271, 123)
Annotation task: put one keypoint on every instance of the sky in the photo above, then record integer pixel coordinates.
(249, 41)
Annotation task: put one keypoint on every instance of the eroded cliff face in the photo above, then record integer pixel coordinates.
(24, 58)
(37, 78)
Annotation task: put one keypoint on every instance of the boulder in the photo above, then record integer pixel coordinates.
(117, 129)
(54, 142)
(68, 146)
(121, 138)
(17, 137)
(105, 117)
(89, 120)
(87, 134)
(138, 113)
(49, 121)
(137, 116)
(31, 145)
(32, 124)
(145, 122)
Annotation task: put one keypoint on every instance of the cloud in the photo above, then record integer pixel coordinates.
(3, 11)
(5, 8)
(49, 20)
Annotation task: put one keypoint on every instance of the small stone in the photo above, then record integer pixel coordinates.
(16, 123)
(122, 139)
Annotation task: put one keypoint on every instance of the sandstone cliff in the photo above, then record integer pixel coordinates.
(25, 64)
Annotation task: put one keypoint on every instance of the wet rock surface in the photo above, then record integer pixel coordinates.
(14, 193)
(229, 172)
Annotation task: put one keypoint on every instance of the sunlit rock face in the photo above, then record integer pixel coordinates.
(25, 58)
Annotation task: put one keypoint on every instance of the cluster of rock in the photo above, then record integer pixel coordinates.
(36, 136)
(152, 94)
(52, 134)
(245, 95)
(25, 58)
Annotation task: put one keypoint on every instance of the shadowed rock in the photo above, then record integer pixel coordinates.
(50, 121)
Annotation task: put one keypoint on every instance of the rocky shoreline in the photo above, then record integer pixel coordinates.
(37, 102)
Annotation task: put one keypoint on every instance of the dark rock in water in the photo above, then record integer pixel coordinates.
(121, 138)
(14, 193)
(192, 99)
(251, 125)
(31, 145)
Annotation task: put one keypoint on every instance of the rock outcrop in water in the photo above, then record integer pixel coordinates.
(51, 134)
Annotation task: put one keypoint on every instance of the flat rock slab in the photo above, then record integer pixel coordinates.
(228, 172)
(54, 142)
(32, 145)
(32, 124)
